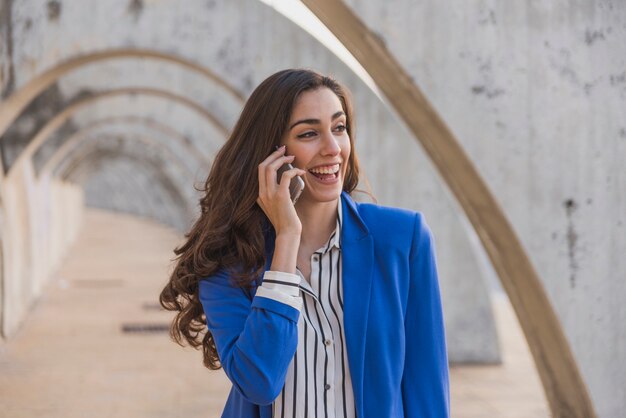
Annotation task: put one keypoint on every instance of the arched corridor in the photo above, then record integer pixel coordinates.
(502, 123)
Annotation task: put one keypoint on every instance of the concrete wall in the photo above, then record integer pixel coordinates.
(40, 221)
(536, 93)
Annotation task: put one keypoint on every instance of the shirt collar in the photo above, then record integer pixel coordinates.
(337, 237)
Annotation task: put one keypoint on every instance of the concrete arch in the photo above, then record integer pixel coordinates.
(17, 102)
(563, 384)
(137, 147)
(81, 168)
(73, 142)
(63, 116)
(83, 144)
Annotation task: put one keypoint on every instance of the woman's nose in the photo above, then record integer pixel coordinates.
(330, 144)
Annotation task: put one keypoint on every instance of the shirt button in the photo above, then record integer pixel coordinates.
(315, 258)
(327, 386)
(328, 342)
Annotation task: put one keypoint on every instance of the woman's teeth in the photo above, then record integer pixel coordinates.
(332, 169)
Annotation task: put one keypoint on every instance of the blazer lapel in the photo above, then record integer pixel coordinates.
(357, 252)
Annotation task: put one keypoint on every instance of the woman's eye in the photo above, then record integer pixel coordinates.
(307, 134)
(341, 128)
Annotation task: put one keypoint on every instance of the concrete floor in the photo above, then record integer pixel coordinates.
(71, 358)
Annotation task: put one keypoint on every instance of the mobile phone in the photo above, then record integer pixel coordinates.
(295, 186)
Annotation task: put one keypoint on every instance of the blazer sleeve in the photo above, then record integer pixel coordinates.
(425, 385)
(255, 339)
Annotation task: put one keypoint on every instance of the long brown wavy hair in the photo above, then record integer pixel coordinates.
(232, 229)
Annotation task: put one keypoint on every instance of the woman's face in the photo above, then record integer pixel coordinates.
(317, 137)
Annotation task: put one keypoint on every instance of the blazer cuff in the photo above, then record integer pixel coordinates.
(282, 287)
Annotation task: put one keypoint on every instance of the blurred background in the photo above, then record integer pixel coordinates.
(112, 112)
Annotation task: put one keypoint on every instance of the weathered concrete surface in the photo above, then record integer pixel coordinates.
(244, 41)
(156, 132)
(536, 94)
(6, 49)
(93, 88)
(109, 176)
(71, 359)
(149, 162)
(40, 221)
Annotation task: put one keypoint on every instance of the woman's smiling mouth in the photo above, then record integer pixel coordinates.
(326, 173)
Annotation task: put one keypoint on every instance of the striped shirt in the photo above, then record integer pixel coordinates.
(318, 381)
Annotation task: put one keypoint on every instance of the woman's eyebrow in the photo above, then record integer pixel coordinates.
(316, 121)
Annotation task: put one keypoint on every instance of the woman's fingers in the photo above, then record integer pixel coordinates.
(263, 167)
(268, 170)
(271, 173)
(268, 173)
(274, 199)
(285, 180)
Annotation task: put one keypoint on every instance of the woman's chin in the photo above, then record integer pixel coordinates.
(320, 196)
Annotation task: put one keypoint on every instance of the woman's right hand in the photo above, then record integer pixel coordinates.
(274, 198)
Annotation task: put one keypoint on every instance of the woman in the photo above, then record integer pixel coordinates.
(325, 308)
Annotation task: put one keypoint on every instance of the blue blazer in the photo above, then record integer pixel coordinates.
(392, 317)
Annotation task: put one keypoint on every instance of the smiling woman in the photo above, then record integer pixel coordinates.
(325, 307)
